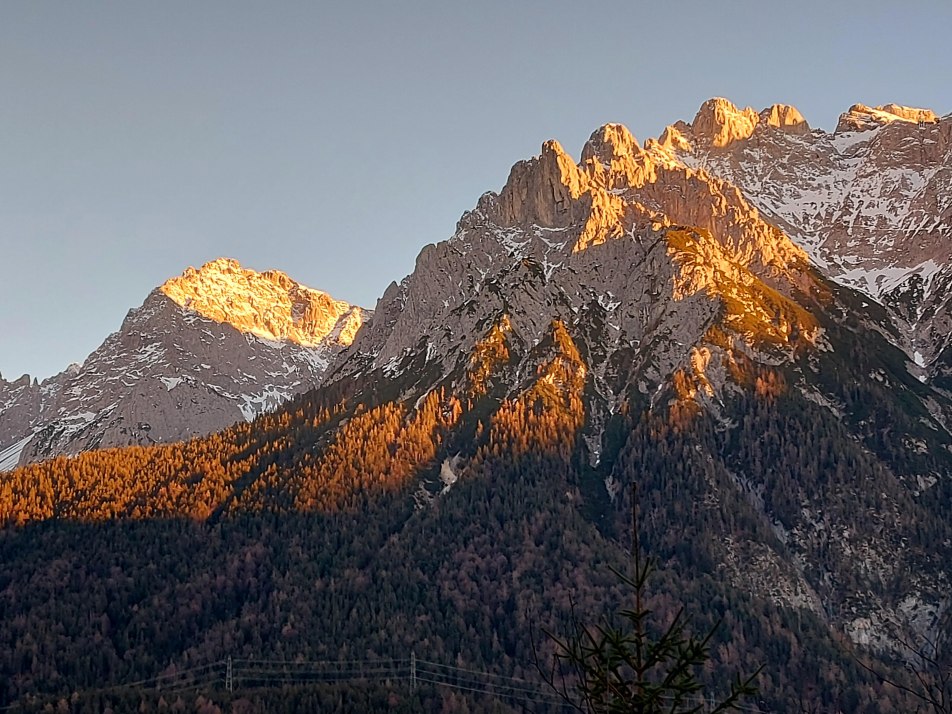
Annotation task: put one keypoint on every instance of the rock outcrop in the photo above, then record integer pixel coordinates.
(785, 118)
(859, 117)
(719, 123)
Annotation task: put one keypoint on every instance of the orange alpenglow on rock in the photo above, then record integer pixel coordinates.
(214, 346)
(721, 123)
(863, 118)
(785, 117)
(269, 305)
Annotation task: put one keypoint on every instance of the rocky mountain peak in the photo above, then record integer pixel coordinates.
(609, 143)
(615, 163)
(719, 123)
(23, 381)
(786, 118)
(213, 346)
(860, 117)
(269, 305)
(673, 139)
(618, 184)
(866, 201)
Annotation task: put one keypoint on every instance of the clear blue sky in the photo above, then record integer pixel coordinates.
(334, 140)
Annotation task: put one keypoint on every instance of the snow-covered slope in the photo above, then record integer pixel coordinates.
(211, 347)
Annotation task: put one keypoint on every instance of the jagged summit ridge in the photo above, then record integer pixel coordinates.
(618, 184)
(547, 237)
(667, 250)
(269, 305)
(719, 123)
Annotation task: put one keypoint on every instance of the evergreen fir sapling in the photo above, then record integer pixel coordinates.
(608, 668)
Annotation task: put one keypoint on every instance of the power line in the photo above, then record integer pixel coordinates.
(472, 671)
(247, 673)
(170, 675)
(490, 686)
(472, 674)
(292, 663)
(540, 699)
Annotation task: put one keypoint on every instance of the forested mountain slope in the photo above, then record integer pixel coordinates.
(464, 473)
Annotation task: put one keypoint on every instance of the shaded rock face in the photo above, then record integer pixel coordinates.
(868, 202)
(214, 346)
(23, 404)
(544, 190)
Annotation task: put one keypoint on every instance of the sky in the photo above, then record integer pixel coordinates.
(333, 140)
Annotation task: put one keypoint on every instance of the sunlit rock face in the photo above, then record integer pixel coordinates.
(216, 345)
(868, 202)
(721, 123)
(859, 117)
(269, 305)
(785, 118)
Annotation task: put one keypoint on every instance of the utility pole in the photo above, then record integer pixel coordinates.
(229, 677)
(412, 670)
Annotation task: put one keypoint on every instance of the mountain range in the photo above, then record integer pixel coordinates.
(747, 318)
